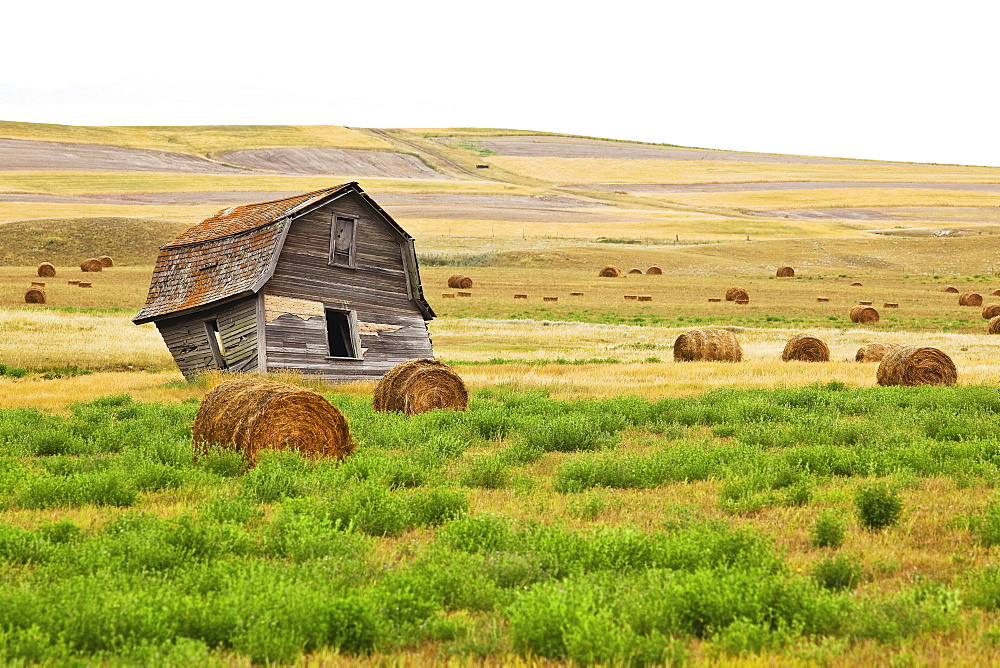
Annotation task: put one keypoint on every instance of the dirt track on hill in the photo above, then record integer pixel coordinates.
(954, 215)
(781, 186)
(36, 156)
(349, 162)
(571, 147)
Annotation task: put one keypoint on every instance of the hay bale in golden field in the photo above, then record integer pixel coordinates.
(707, 344)
(418, 386)
(464, 294)
(950, 288)
(822, 299)
(520, 296)
(735, 293)
(34, 295)
(805, 348)
(865, 303)
(254, 414)
(742, 301)
(994, 326)
(645, 298)
(890, 305)
(72, 282)
(91, 264)
(106, 261)
(873, 352)
(995, 293)
(970, 299)
(635, 271)
(84, 284)
(38, 284)
(991, 311)
(910, 366)
(864, 314)
(576, 294)
(610, 271)
(550, 299)
(46, 270)
(785, 272)
(654, 271)
(855, 284)
(459, 281)
(715, 299)
(448, 295)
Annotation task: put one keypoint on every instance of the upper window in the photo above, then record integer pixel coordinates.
(342, 241)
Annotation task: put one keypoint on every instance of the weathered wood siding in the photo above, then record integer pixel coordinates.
(392, 329)
(187, 338)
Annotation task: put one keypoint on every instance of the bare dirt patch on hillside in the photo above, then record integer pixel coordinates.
(765, 186)
(349, 162)
(36, 156)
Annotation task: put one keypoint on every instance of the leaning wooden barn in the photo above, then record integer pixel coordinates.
(325, 283)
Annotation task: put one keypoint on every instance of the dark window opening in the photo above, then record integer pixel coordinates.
(215, 343)
(342, 243)
(339, 334)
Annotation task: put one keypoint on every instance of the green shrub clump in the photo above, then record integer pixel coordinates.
(879, 506)
(828, 530)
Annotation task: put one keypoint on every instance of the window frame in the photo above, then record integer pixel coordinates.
(214, 335)
(352, 325)
(352, 253)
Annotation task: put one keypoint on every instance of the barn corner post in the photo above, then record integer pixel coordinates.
(325, 283)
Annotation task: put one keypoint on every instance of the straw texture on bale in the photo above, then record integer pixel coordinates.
(707, 344)
(655, 271)
(916, 366)
(873, 352)
(735, 294)
(995, 293)
(34, 295)
(46, 270)
(92, 264)
(994, 326)
(806, 348)
(950, 288)
(610, 271)
(970, 299)
(106, 261)
(635, 271)
(254, 414)
(863, 314)
(785, 272)
(459, 281)
(991, 311)
(418, 386)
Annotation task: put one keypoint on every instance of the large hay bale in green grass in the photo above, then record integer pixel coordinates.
(909, 366)
(707, 344)
(864, 314)
(418, 386)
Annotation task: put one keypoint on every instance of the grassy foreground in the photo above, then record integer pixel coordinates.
(817, 524)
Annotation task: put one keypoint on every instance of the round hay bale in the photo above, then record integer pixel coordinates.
(864, 314)
(856, 285)
(873, 352)
(994, 293)
(994, 326)
(991, 311)
(805, 348)
(736, 294)
(34, 295)
(106, 261)
(635, 271)
(92, 264)
(950, 288)
(916, 366)
(785, 272)
(654, 271)
(610, 271)
(254, 414)
(418, 386)
(459, 281)
(970, 299)
(707, 344)
(46, 270)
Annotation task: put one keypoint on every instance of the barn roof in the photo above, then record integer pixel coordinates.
(233, 253)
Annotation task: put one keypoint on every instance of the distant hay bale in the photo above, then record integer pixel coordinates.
(785, 272)
(459, 281)
(995, 293)
(576, 294)
(890, 305)
(464, 294)
(910, 366)
(106, 261)
(654, 271)
(805, 348)
(707, 344)
(822, 299)
(873, 352)
(448, 295)
(950, 288)
(73, 282)
(84, 284)
(991, 311)
(254, 414)
(970, 299)
(46, 270)
(610, 271)
(864, 314)
(645, 298)
(742, 301)
(38, 284)
(418, 386)
(631, 296)
(34, 295)
(734, 294)
(92, 264)
(520, 296)
(550, 299)
(994, 326)
(635, 271)
(856, 285)
(865, 303)
(715, 299)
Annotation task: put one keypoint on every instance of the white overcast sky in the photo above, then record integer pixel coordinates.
(868, 79)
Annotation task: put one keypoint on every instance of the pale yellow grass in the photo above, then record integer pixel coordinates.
(846, 197)
(117, 288)
(607, 170)
(11, 211)
(55, 395)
